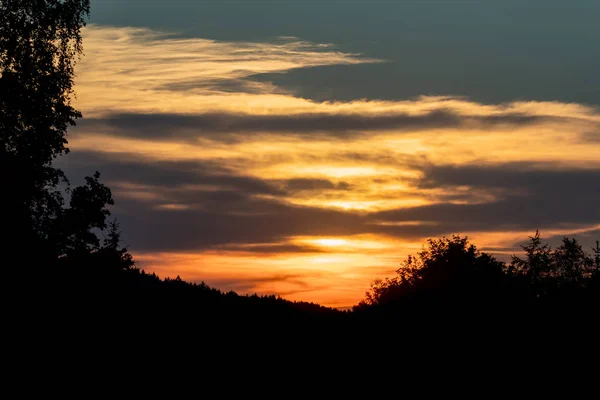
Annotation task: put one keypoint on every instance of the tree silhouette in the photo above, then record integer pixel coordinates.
(536, 264)
(552, 272)
(447, 271)
(40, 41)
(571, 264)
(451, 274)
(111, 252)
(88, 211)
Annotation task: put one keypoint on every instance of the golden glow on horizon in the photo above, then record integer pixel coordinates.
(334, 279)
(129, 70)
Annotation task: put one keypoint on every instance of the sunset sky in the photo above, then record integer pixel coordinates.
(304, 148)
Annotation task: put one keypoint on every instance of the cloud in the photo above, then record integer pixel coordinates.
(218, 175)
(215, 126)
(528, 197)
(137, 68)
(167, 206)
(591, 137)
(307, 184)
(271, 248)
(300, 184)
(532, 177)
(226, 218)
(175, 206)
(136, 171)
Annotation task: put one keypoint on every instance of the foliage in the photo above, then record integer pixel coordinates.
(40, 41)
(112, 250)
(454, 272)
(446, 270)
(548, 270)
(88, 211)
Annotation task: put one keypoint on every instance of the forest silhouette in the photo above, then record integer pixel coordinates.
(62, 244)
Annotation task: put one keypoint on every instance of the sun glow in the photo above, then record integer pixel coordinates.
(360, 243)
(329, 242)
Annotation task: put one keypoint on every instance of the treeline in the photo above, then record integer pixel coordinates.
(452, 275)
(104, 278)
(102, 281)
(449, 278)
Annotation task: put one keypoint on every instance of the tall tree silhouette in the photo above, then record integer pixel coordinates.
(87, 212)
(111, 252)
(40, 42)
(536, 266)
(446, 272)
(572, 265)
(552, 272)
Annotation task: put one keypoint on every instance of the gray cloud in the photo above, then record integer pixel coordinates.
(224, 220)
(272, 248)
(591, 137)
(534, 197)
(223, 85)
(216, 125)
(302, 184)
(169, 174)
(536, 177)
(233, 213)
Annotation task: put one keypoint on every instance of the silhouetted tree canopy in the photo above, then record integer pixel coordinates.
(87, 212)
(445, 271)
(453, 273)
(112, 251)
(549, 272)
(40, 41)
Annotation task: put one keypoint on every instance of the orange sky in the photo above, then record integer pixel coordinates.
(360, 159)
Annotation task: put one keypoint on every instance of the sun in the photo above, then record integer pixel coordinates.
(329, 242)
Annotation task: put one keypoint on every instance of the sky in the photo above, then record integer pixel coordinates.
(305, 148)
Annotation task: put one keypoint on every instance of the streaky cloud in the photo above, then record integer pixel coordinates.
(137, 68)
(180, 126)
(255, 215)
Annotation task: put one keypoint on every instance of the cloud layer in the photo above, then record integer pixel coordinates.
(243, 184)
